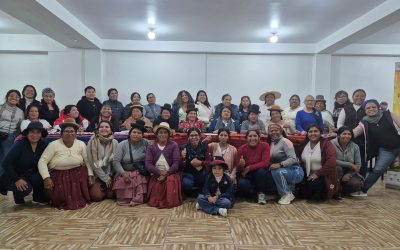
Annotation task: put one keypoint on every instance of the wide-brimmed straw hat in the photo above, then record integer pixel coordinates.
(162, 125)
(269, 92)
(275, 108)
(69, 122)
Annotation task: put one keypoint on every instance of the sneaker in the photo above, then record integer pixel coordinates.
(198, 206)
(358, 194)
(286, 199)
(261, 199)
(223, 212)
(39, 203)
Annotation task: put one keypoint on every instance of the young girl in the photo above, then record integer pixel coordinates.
(217, 194)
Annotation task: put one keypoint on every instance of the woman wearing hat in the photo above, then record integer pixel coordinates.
(135, 100)
(253, 123)
(128, 164)
(21, 174)
(195, 157)
(71, 111)
(320, 105)
(166, 116)
(308, 116)
(224, 121)
(268, 98)
(382, 140)
(191, 120)
(65, 169)
(217, 194)
(205, 109)
(162, 161)
(32, 115)
(136, 115)
(100, 153)
(289, 113)
(49, 109)
(284, 166)
(276, 118)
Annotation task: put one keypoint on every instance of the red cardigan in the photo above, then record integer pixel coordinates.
(255, 158)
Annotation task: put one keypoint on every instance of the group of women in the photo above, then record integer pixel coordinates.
(69, 174)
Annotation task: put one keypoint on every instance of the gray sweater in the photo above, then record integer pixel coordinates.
(282, 151)
(122, 160)
(345, 157)
(7, 124)
(247, 125)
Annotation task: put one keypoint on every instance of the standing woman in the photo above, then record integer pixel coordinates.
(244, 107)
(131, 177)
(49, 109)
(308, 116)
(341, 101)
(21, 172)
(28, 96)
(318, 157)
(192, 120)
(225, 150)
(180, 105)
(65, 170)
(382, 138)
(10, 120)
(32, 115)
(205, 109)
(162, 161)
(289, 113)
(101, 149)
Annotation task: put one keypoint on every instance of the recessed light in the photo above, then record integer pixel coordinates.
(274, 38)
(151, 35)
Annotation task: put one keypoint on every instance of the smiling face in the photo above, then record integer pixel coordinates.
(162, 135)
(270, 99)
(113, 95)
(276, 116)
(226, 102)
(294, 102)
(371, 109)
(104, 129)
(74, 113)
(106, 111)
(245, 102)
(151, 99)
(29, 93)
(136, 113)
(358, 97)
(194, 138)
(34, 135)
(136, 98)
(253, 117)
(253, 138)
(217, 170)
(68, 135)
(13, 99)
(345, 137)
(274, 132)
(136, 135)
(223, 137)
(309, 102)
(33, 113)
(165, 114)
(48, 98)
(320, 105)
(184, 97)
(341, 99)
(225, 114)
(192, 116)
(314, 135)
(202, 97)
(90, 94)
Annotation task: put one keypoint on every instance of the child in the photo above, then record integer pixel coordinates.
(217, 194)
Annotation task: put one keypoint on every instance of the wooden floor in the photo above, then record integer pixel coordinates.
(371, 223)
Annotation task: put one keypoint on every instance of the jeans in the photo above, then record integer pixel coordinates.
(286, 177)
(35, 183)
(5, 146)
(256, 181)
(213, 208)
(384, 159)
(192, 179)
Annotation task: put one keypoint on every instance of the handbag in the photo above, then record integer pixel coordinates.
(138, 167)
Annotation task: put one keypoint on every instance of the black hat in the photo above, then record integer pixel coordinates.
(191, 107)
(139, 124)
(218, 162)
(254, 108)
(166, 106)
(35, 125)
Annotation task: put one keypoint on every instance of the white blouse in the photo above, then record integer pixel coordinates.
(312, 158)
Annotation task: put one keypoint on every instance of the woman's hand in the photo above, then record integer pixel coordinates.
(48, 183)
(109, 183)
(274, 166)
(183, 153)
(126, 178)
(21, 185)
(212, 199)
(91, 180)
(312, 177)
(355, 168)
(246, 170)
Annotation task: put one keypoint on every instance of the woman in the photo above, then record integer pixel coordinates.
(166, 116)
(226, 102)
(180, 104)
(252, 167)
(253, 123)
(28, 96)
(100, 151)
(226, 151)
(49, 109)
(162, 161)
(320, 105)
(382, 140)
(289, 113)
(10, 120)
(276, 118)
(32, 115)
(135, 98)
(105, 115)
(71, 111)
(191, 120)
(136, 115)
(284, 166)
(341, 101)
(205, 109)
(65, 170)
(244, 107)
(131, 178)
(308, 116)
(196, 158)
(268, 98)
(20, 164)
(348, 161)
(225, 120)
(318, 158)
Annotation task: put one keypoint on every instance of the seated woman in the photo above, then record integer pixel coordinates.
(105, 115)
(136, 115)
(32, 115)
(162, 161)
(318, 158)
(244, 108)
(21, 174)
(191, 120)
(308, 116)
(180, 104)
(226, 151)
(71, 111)
(224, 121)
(226, 102)
(253, 123)
(135, 100)
(101, 149)
(348, 160)
(131, 178)
(65, 169)
(205, 109)
(276, 118)
(165, 116)
(49, 109)
(320, 105)
(195, 157)
(284, 166)
(289, 113)
(252, 167)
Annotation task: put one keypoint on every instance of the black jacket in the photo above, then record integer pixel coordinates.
(89, 109)
(225, 187)
(96, 120)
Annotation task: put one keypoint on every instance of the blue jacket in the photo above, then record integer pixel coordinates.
(225, 187)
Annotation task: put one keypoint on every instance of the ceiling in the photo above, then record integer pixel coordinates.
(222, 26)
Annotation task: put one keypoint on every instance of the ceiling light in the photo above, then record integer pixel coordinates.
(151, 35)
(273, 38)
(151, 21)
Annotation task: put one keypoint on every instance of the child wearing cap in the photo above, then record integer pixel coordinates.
(217, 194)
